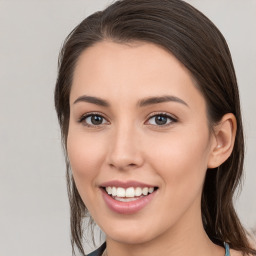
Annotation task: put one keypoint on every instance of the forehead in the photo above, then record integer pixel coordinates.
(129, 71)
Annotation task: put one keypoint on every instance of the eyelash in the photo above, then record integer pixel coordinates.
(83, 117)
(162, 114)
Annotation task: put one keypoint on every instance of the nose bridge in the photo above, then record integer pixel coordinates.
(124, 149)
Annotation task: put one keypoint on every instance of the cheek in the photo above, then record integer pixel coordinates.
(182, 160)
(85, 156)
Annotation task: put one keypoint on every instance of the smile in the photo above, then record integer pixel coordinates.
(127, 198)
(128, 194)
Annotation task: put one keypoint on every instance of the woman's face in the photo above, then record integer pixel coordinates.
(138, 124)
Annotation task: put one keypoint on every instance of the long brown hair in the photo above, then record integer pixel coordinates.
(196, 42)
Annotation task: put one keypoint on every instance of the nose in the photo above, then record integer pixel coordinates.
(125, 151)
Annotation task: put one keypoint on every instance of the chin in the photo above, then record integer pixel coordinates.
(132, 233)
(132, 238)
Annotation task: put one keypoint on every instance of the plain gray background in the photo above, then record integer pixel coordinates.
(34, 211)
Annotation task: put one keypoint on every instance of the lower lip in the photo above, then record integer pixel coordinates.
(127, 207)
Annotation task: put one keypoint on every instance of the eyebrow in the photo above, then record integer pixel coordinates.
(141, 103)
(161, 99)
(91, 99)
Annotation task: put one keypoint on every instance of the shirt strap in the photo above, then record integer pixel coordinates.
(227, 253)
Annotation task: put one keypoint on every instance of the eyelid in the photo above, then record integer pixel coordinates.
(84, 116)
(165, 114)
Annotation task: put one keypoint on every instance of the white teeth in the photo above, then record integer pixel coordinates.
(145, 191)
(130, 192)
(138, 192)
(120, 192)
(109, 190)
(123, 199)
(113, 191)
(150, 190)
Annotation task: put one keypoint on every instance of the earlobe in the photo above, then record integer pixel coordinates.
(224, 140)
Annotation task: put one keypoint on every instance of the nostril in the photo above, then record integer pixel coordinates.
(123, 165)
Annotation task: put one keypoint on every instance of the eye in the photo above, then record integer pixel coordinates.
(93, 120)
(161, 119)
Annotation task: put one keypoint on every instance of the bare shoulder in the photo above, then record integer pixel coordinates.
(252, 242)
(235, 253)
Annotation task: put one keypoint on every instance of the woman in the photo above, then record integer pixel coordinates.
(149, 110)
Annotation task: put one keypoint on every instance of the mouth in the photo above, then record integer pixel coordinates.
(127, 197)
(129, 194)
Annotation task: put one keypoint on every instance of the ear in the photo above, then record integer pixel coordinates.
(224, 135)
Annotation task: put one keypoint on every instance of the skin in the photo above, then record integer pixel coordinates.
(130, 145)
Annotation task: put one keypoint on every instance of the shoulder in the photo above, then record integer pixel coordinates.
(235, 253)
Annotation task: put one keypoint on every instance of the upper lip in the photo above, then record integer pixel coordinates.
(125, 184)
